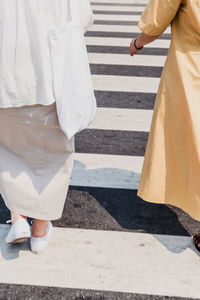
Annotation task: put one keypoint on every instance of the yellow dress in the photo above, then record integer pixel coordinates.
(171, 170)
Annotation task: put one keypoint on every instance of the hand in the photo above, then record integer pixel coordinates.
(133, 50)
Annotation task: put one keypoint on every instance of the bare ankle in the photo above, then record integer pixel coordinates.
(15, 217)
(39, 228)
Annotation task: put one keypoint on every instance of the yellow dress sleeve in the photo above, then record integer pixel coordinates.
(157, 15)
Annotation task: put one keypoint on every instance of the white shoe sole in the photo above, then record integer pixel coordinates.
(20, 240)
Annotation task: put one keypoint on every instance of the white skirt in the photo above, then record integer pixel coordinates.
(36, 160)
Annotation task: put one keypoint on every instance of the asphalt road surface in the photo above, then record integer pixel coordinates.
(109, 244)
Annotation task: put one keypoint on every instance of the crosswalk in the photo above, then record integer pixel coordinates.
(110, 244)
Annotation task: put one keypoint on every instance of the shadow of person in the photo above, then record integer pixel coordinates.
(9, 251)
(122, 210)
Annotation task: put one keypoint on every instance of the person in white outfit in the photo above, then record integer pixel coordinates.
(42, 105)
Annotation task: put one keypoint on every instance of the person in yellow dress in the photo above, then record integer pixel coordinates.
(171, 170)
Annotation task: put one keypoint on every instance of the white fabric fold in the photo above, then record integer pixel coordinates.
(26, 75)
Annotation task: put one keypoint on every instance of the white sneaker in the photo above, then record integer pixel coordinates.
(19, 232)
(39, 244)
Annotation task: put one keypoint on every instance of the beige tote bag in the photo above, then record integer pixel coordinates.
(75, 99)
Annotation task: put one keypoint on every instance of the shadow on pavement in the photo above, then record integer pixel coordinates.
(10, 252)
(122, 210)
(119, 210)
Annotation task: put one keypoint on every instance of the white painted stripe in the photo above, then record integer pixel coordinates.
(126, 1)
(122, 119)
(125, 83)
(117, 17)
(107, 171)
(118, 8)
(119, 28)
(123, 42)
(125, 59)
(107, 261)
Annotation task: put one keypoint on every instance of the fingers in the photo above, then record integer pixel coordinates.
(133, 50)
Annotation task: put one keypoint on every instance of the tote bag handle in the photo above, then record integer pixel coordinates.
(74, 12)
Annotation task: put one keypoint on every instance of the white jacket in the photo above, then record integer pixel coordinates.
(25, 60)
